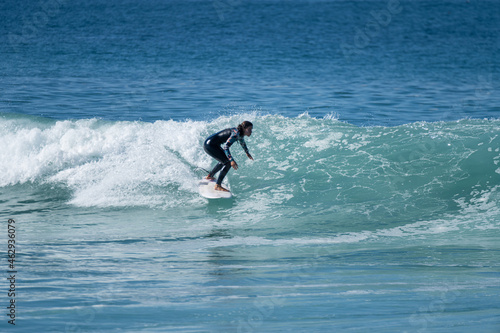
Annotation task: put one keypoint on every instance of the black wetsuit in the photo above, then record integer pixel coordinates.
(222, 154)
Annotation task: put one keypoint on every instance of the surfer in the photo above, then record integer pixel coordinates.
(222, 154)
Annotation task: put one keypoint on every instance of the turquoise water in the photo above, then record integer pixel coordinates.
(372, 203)
(332, 227)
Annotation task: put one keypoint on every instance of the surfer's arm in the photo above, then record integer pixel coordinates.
(245, 148)
(229, 142)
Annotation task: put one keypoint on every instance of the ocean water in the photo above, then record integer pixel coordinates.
(372, 203)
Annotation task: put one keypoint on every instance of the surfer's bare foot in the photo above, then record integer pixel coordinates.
(220, 188)
(209, 177)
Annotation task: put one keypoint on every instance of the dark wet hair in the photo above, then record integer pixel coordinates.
(243, 126)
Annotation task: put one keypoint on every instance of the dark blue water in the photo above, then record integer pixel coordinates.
(372, 203)
(369, 62)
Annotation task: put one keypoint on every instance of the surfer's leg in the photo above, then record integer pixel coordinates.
(216, 169)
(223, 173)
(216, 152)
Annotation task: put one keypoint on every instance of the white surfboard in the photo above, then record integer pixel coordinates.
(207, 189)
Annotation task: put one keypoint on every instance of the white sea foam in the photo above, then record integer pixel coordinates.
(307, 162)
(106, 163)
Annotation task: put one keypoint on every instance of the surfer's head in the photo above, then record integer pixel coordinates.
(245, 128)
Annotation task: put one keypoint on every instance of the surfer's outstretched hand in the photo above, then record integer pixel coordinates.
(250, 156)
(234, 165)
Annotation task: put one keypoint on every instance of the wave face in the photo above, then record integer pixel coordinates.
(304, 167)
